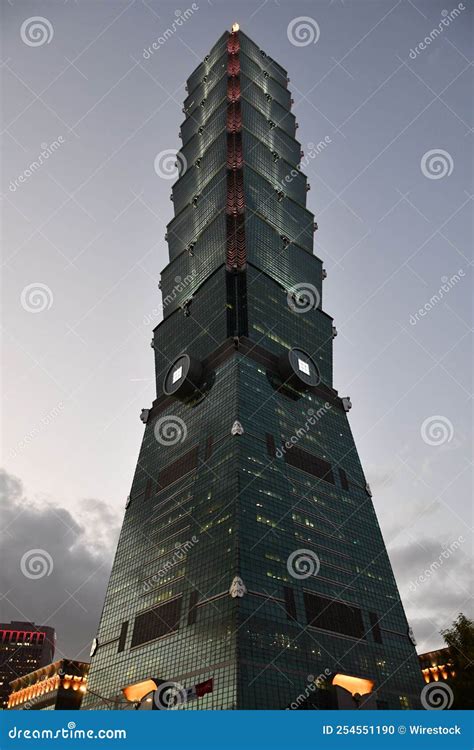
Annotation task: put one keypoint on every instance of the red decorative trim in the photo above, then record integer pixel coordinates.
(233, 44)
(235, 192)
(234, 151)
(233, 65)
(234, 117)
(236, 255)
(14, 634)
(233, 89)
(236, 251)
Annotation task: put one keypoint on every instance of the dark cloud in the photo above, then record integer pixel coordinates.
(75, 554)
(434, 581)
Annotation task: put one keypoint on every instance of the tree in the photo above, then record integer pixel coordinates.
(460, 641)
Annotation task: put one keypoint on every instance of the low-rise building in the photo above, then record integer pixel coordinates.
(437, 665)
(57, 686)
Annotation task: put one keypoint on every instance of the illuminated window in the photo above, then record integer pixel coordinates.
(303, 366)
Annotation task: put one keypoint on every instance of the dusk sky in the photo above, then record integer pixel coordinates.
(83, 248)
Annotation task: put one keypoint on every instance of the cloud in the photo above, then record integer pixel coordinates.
(62, 582)
(434, 581)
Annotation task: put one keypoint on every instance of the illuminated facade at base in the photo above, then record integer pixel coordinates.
(250, 552)
(54, 687)
(437, 666)
(24, 647)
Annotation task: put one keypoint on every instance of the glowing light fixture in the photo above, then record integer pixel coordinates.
(137, 691)
(235, 27)
(353, 684)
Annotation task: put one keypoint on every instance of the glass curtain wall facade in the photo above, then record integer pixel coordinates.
(250, 551)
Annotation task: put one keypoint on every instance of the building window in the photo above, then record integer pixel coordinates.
(192, 611)
(375, 627)
(343, 478)
(148, 489)
(333, 615)
(290, 604)
(156, 622)
(270, 445)
(123, 637)
(209, 445)
(404, 702)
(178, 468)
(300, 459)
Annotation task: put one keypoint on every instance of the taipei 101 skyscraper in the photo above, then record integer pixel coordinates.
(250, 572)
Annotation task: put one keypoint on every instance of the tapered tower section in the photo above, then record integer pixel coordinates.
(250, 553)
